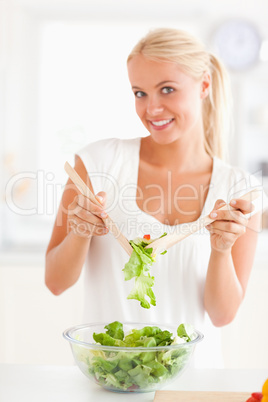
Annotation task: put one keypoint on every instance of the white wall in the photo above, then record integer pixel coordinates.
(244, 341)
(32, 319)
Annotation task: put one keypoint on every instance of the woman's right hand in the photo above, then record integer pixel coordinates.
(85, 218)
(77, 221)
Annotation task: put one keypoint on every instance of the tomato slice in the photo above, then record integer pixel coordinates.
(147, 237)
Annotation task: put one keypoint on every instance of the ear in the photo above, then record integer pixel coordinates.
(205, 85)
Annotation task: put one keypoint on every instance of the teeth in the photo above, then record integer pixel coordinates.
(161, 122)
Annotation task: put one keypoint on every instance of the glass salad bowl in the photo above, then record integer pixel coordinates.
(130, 356)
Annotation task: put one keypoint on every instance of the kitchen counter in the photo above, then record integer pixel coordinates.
(30, 383)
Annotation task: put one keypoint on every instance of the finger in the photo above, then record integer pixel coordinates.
(82, 215)
(229, 227)
(83, 232)
(78, 232)
(82, 228)
(244, 206)
(89, 218)
(101, 196)
(88, 205)
(219, 204)
(223, 239)
(229, 215)
(223, 234)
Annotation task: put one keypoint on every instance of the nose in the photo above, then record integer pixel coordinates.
(154, 107)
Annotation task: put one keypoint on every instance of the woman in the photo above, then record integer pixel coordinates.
(153, 185)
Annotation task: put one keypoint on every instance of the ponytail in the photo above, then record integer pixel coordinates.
(217, 111)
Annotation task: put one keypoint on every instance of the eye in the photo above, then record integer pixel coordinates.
(139, 94)
(167, 90)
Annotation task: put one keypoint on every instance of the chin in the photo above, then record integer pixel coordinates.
(164, 138)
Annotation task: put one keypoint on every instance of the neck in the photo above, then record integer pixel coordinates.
(175, 156)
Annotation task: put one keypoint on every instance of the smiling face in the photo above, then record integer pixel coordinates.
(168, 101)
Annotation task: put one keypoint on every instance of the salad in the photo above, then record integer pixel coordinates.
(138, 267)
(128, 370)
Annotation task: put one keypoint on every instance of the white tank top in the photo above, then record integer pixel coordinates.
(112, 166)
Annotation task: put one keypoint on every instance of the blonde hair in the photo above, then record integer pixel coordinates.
(172, 45)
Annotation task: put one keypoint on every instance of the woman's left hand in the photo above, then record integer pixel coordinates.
(229, 224)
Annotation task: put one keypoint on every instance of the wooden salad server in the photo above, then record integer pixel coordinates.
(85, 190)
(187, 229)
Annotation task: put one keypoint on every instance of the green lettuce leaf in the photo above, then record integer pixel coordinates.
(115, 330)
(186, 331)
(143, 287)
(137, 267)
(128, 370)
(136, 335)
(107, 340)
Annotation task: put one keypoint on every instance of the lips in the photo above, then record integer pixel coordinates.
(161, 124)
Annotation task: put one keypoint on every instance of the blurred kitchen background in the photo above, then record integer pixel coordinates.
(63, 83)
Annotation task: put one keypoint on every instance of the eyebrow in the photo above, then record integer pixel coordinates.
(158, 85)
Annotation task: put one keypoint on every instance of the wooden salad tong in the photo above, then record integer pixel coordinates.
(164, 242)
(187, 229)
(85, 190)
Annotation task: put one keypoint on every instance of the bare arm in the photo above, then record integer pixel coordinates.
(233, 246)
(77, 221)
